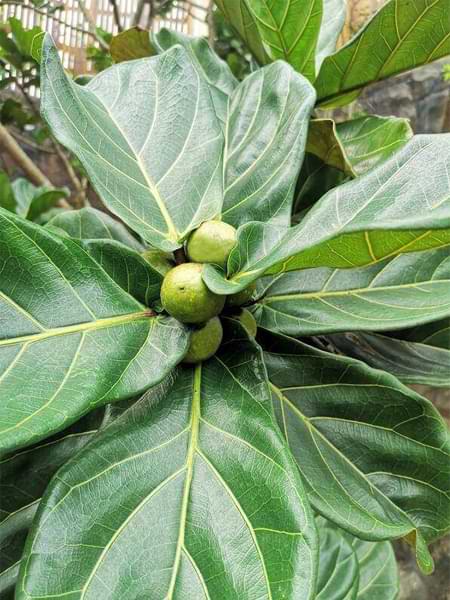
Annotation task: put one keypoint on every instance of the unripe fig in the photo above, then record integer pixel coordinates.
(160, 261)
(185, 296)
(212, 243)
(241, 297)
(247, 320)
(205, 342)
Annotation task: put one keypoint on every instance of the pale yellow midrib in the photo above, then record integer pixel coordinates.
(79, 327)
(194, 427)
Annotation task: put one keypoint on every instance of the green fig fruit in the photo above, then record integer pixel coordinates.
(212, 243)
(241, 297)
(205, 342)
(247, 320)
(185, 296)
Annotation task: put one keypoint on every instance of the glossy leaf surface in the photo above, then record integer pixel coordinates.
(402, 205)
(142, 155)
(284, 29)
(394, 294)
(193, 466)
(373, 453)
(405, 36)
(71, 338)
(411, 362)
(92, 224)
(267, 125)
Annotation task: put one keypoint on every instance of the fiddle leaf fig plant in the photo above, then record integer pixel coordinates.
(189, 381)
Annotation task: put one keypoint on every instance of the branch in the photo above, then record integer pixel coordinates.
(138, 13)
(92, 26)
(9, 144)
(79, 192)
(116, 14)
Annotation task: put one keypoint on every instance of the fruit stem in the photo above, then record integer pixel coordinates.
(180, 256)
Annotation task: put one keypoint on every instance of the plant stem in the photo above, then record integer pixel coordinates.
(9, 144)
(116, 15)
(79, 192)
(92, 26)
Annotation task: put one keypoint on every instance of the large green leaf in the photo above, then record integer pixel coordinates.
(394, 294)
(239, 15)
(287, 29)
(399, 37)
(411, 362)
(128, 268)
(141, 129)
(266, 133)
(71, 338)
(378, 572)
(354, 569)
(92, 224)
(374, 454)
(190, 494)
(24, 478)
(216, 73)
(333, 19)
(357, 145)
(402, 205)
(338, 576)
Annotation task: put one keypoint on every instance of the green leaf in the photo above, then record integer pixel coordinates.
(71, 338)
(266, 133)
(215, 72)
(32, 201)
(240, 17)
(7, 199)
(288, 30)
(128, 268)
(434, 334)
(24, 38)
(25, 476)
(411, 362)
(333, 20)
(92, 224)
(357, 145)
(394, 294)
(136, 43)
(378, 572)
(400, 206)
(194, 465)
(361, 440)
(141, 154)
(131, 44)
(338, 577)
(399, 37)
(354, 569)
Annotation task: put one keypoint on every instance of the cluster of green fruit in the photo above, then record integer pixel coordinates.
(185, 296)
